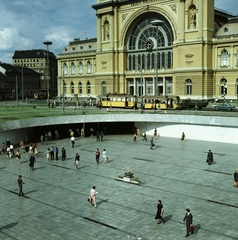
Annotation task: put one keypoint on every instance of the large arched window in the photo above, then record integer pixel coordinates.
(80, 88)
(72, 87)
(72, 68)
(80, 68)
(188, 87)
(223, 86)
(89, 67)
(224, 58)
(162, 37)
(104, 87)
(88, 88)
(65, 68)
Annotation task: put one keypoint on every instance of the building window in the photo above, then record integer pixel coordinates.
(169, 60)
(80, 68)
(169, 86)
(188, 87)
(65, 68)
(89, 67)
(237, 86)
(72, 68)
(88, 88)
(72, 87)
(223, 86)
(149, 87)
(224, 58)
(65, 87)
(104, 87)
(80, 88)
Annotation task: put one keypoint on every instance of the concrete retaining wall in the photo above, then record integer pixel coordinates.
(207, 128)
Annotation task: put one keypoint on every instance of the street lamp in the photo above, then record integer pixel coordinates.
(17, 102)
(63, 93)
(157, 23)
(47, 43)
(141, 92)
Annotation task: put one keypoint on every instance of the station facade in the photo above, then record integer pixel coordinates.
(154, 47)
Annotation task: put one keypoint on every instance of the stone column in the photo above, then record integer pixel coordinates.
(199, 21)
(99, 33)
(182, 19)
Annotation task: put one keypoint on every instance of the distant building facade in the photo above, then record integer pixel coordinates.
(193, 53)
(11, 84)
(36, 59)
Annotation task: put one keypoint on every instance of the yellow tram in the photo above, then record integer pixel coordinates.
(117, 101)
(161, 102)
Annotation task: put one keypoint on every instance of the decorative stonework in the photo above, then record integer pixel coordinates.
(174, 8)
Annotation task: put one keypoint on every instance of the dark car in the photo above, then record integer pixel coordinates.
(224, 106)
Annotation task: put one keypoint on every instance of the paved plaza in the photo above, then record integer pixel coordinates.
(55, 203)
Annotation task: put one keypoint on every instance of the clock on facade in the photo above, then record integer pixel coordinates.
(149, 44)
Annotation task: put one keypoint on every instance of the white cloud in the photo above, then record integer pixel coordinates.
(10, 38)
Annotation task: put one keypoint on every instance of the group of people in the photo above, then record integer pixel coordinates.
(188, 218)
(52, 153)
(104, 155)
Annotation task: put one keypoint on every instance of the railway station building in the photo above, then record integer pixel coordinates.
(171, 47)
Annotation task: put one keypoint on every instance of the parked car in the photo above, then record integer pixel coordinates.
(224, 106)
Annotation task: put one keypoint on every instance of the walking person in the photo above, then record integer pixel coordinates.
(189, 221)
(134, 137)
(82, 132)
(32, 162)
(209, 157)
(92, 196)
(56, 153)
(151, 143)
(76, 160)
(63, 152)
(159, 212)
(46, 138)
(144, 136)
(56, 135)
(97, 153)
(155, 132)
(101, 135)
(52, 153)
(235, 178)
(20, 182)
(104, 155)
(18, 156)
(91, 131)
(48, 154)
(183, 137)
(72, 139)
(42, 139)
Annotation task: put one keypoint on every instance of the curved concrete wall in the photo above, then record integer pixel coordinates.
(207, 128)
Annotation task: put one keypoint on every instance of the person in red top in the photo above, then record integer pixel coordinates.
(97, 153)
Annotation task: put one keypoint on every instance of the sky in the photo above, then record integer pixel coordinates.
(26, 24)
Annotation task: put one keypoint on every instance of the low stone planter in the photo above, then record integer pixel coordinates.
(126, 179)
(134, 182)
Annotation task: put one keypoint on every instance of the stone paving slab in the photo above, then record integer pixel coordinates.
(55, 204)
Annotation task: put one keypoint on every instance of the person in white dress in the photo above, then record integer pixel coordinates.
(104, 155)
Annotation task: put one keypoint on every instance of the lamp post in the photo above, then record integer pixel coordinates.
(22, 87)
(47, 43)
(17, 103)
(141, 99)
(157, 23)
(63, 93)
